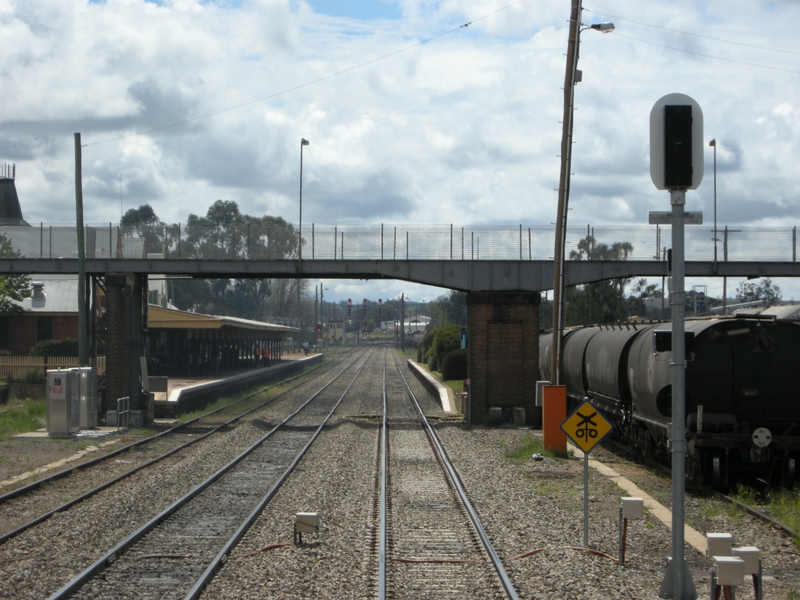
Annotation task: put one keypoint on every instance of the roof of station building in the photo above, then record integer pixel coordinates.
(10, 211)
(169, 318)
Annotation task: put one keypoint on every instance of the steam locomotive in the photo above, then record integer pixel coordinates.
(742, 392)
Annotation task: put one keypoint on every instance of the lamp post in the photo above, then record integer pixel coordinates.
(572, 77)
(303, 142)
(713, 144)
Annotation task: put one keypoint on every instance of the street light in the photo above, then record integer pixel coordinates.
(713, 144)
(303, 142)
(571, 78)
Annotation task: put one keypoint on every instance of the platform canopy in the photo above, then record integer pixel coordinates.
(170, 318)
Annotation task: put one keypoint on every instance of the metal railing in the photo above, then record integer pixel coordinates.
(261, 242)
(123, 413)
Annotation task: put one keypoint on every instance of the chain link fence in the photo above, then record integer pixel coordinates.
(398, 242)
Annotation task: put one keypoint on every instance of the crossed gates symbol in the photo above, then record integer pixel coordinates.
(586, 428)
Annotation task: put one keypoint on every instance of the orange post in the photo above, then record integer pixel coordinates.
(554, 413)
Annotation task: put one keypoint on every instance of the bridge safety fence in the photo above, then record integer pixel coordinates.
(279, 241)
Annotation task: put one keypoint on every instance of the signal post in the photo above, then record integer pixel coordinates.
(676, 165)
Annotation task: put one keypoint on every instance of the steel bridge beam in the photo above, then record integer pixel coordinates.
(465, 275)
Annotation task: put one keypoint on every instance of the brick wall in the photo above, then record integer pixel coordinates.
(119, 347)
(503, 330)
(22, 331)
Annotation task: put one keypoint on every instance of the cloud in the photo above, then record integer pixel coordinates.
(406, 125)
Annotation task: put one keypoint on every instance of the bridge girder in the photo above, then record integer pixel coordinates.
(465, 275)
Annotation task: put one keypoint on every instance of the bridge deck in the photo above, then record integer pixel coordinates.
(465, 275)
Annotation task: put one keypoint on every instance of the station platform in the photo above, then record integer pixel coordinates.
(187, 394)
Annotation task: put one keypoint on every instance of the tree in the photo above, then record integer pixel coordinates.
(143, 222)
(13, 288)
(450, 307)
(224, 232)
(601, 302)
(764, 290)
(640, 292)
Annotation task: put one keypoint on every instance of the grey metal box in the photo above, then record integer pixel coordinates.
(62, 403)
(87, 397)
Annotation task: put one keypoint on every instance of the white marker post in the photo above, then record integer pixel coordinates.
(676, 164)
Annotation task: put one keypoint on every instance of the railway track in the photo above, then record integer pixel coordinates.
(692, 487)
(32, 504)
(431, 542)
(175, 554)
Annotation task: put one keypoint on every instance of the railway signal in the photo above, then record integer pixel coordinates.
(349, 305)
(676, 165)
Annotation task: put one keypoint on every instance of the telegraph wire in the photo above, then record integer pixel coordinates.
(308, 83)
(731, 60)
(698, 35)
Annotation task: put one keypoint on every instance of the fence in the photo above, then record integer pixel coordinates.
(29, 368)
(260, 241)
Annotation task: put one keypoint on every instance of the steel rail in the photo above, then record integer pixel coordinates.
(453, 475)
(90, 463)
(384, 467)
(618, 447)
(88, 494)
(104, 561)
(217, 563)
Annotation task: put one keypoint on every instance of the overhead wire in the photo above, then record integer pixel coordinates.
(698, 35)
(730, 60)
(307, 83)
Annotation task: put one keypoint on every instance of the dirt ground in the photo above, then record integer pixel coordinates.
(20, 456)
(23, 455)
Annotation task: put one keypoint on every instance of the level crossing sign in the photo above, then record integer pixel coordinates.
(586, 426)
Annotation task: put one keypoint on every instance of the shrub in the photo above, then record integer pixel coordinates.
(492, 420)
(454, 365)
(446, 339)
(425, 345)
(65, 347)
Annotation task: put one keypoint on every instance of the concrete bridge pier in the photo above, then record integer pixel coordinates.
(126, 305)
(503, 354)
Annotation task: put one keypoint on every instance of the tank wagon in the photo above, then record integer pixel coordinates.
(742, 392)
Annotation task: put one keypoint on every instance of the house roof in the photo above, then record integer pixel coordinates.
(56, 294)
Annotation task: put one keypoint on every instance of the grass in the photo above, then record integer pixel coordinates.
(21, 416)
(220, 403)
(529, 446)
(784, 506)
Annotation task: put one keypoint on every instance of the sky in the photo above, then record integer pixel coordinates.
(417, 111)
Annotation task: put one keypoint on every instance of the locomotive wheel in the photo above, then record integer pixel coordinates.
(716, 470)
(788, 471)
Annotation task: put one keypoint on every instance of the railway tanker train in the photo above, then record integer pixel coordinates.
(742, 392)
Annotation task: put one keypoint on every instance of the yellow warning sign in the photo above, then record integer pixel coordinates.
(586, 426)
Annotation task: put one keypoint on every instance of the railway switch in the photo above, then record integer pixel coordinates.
(752, 566)
(305, 523)
(631, 508)
(728, 572)
(718, 544)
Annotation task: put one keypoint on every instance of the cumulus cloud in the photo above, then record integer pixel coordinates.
(183, 102)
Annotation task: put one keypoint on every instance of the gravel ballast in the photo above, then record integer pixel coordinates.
(531, 510)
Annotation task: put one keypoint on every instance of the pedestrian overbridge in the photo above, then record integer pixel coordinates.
(474, 258)
(464, 275)
(502, 269)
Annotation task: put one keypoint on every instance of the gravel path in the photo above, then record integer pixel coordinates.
(525, 506)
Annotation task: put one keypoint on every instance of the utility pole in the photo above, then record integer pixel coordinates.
(563, 192)
(403, 321)
(83, 346)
